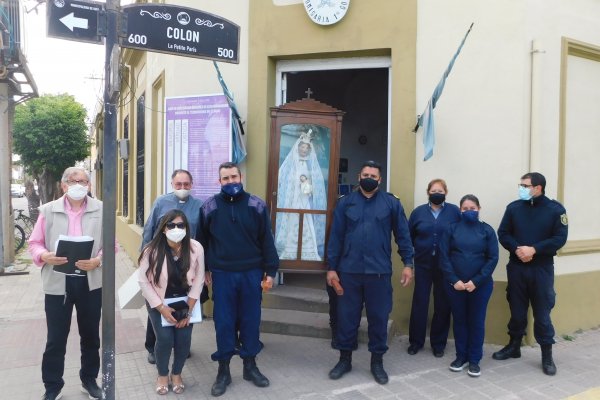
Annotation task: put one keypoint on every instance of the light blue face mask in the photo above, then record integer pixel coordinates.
(524, 193)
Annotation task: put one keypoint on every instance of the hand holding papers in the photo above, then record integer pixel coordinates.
(75, 248)
(196, 312)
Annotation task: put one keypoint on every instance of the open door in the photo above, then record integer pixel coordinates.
(303, 181)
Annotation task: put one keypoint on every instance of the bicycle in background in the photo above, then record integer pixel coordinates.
(23, 228)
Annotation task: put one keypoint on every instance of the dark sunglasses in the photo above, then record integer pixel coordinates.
(172, 225)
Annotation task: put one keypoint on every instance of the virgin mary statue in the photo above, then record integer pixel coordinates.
(301, 186)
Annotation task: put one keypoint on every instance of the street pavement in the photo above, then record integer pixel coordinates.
(296, 366)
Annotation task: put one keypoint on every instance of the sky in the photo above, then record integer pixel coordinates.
(62, 66)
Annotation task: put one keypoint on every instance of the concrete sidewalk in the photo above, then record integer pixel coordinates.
(296, 366)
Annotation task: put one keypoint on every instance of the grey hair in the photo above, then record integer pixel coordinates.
(72, 170)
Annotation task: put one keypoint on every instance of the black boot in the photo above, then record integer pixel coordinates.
(343, 366)
(511, 350)
(377, 370)
(547, 362)
(223, 379)
(251, 373)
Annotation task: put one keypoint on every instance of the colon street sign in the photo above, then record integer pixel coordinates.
(180, 30)
(74, 20)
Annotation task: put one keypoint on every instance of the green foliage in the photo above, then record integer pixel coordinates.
(50, 133)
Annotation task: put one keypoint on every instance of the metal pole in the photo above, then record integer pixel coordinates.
(109, 177)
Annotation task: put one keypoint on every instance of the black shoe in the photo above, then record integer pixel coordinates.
(252, 373)
(511, 350)
(343, 366)
(548, 365)
(223, 379)
(474, 370)
(458, 365)
(438, 353)
(189, 355)
(151, 358)
(340, 369)
(377, 370)
(91, 388)
(413, 349)
(52, 395)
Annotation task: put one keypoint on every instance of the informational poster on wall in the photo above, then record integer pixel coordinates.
(198, 139)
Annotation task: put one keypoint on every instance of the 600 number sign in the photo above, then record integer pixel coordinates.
(137, 39)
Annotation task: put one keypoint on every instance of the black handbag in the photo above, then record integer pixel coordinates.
(181, 310)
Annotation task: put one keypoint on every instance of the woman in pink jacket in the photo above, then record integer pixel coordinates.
(171, 265)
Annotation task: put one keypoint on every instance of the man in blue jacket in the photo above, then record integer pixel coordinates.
(179, 199)
(235, 231)
(359, 256)
(532, 229)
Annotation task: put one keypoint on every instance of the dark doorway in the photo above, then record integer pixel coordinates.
(363, 95)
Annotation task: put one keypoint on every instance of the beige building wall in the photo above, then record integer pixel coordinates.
(518, 99)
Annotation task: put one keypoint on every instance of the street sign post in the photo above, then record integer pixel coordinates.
(74, 20)
(182, 31)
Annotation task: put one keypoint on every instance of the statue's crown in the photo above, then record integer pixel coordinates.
(307, 137)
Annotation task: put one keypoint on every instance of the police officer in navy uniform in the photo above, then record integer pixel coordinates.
(359, 256)
(532, 229)
(235, 231)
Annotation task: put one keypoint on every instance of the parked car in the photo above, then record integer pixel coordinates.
(17, 190)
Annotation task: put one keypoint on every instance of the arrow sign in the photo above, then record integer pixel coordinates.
(74, 20)
(71, 21)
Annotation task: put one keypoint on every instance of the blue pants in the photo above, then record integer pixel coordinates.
(533, 284)
(59, 310)
(167, 338)
(237, 297)
(468, 314)
(375, 292)
(425, 278)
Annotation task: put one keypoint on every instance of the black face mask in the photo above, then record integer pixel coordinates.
(437, 198)
(368, 184)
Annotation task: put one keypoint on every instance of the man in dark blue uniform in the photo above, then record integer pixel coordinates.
(235, 231)
(532, 229)
(359, 256)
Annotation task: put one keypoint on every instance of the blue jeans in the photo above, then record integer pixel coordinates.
(237, 297)
(59, 310)
(468, 314)
(167, 338)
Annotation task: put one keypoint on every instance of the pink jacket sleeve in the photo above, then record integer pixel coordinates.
(148, 289)
(196, 270)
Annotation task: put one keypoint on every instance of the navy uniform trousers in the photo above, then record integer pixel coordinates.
(59, 310)
(533, 284)
(425, 278)
(375, 292)
(468, 313)
(237, 297)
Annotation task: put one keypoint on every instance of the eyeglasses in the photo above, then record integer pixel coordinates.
(172, 225)
(83, 182)
(524, 186)
(185, 185)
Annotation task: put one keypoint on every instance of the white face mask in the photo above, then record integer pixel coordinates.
(175, 235)
(182, 194)
(77, 192)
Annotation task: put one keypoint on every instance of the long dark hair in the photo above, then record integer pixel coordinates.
(158, 247)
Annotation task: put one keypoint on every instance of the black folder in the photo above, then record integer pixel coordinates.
(74, 251)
